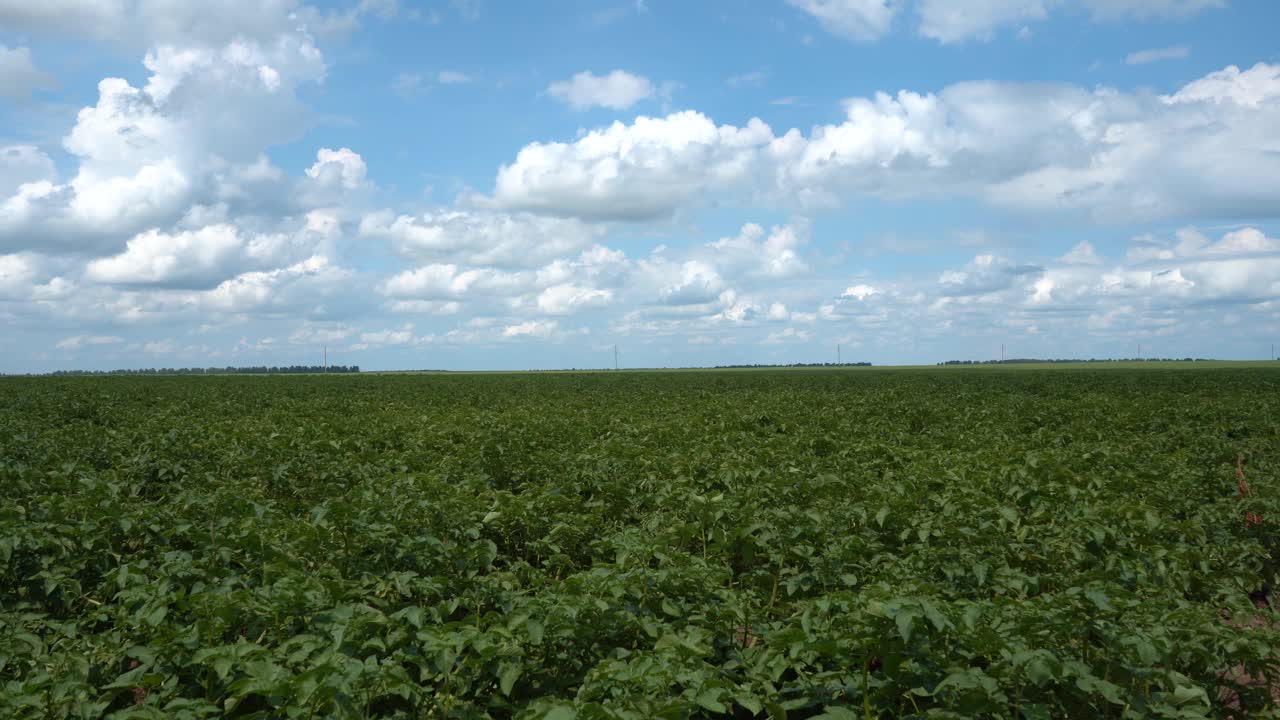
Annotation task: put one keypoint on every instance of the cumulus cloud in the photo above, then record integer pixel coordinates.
(24, 164)
(1082, 254)
(19, 76)
(1143, 57)
(959, 21)
(948, 21)
(316, 287)
(985, 274)
(142, 23)
(1255, 88)
(208, 255)
(618, 90)
(1205, 150)
(146, 154)
(1186, 272)
(17, 275)
(452, 77)
(859, 20)
(338, 169)
(480, 237)
(955, 21)
(861, 291)
(640, 171)
(442, 281)
(566, 298)
(696, 282)
(754, 253)
(158, 258)
(403, 336)
(791, 334)
(78, 341)
(1110, 10)
(531, 328)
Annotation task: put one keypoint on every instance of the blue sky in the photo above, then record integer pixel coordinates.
(482, 184)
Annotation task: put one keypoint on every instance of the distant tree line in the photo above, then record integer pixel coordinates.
(254, 370)
(794, 365)
(1020, 361)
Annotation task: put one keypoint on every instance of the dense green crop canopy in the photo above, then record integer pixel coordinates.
(854, 543)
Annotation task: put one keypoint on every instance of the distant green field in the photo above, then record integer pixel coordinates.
(1029, 541)
(1102, 365)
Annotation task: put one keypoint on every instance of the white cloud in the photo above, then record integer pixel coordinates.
(206, 256)
(695, 283)
(618, 90)
(22, 164)
(403, 336)
(1242, 268)
(787, 335)
(531, 328)
(154, 257)
(145, 155)
(566, 298)
(452, 77)
(753, 253)
(19, 76)
(311, 288)
(78, 341)
(141, 23)
(1255, 88)
(1082, 254)
(860, 20)
(956, 21)
(443, 281)
(1112, 10)
(341, 168)
(72, 16)
(480, 237)
(985, 274)
(1143, 57)
(639, 171)
(1206, 150)
(860, 291)
(17, 276)
(949, 21)
(426, 307)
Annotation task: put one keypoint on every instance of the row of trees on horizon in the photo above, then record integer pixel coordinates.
(229, 370)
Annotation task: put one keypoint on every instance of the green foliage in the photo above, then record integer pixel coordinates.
(869, 544)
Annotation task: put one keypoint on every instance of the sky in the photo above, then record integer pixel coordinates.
(475, 184)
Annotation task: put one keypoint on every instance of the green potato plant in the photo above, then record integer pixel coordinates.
(984, 542)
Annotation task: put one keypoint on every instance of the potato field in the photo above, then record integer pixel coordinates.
(859, 543)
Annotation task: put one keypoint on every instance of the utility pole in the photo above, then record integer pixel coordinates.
(838, 362)
(615, 357)
(1139, 351)
(1001, 352)
(326, 358)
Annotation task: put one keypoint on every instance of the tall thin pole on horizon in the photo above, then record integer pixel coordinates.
(838, 362)
(1001, 352)
(326, 358)
(615, 357)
